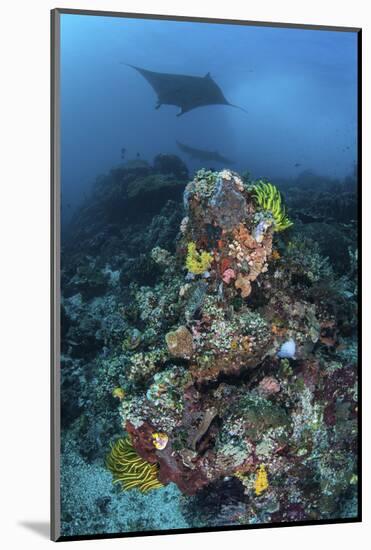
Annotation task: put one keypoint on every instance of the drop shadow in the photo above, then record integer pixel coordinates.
(41, 528)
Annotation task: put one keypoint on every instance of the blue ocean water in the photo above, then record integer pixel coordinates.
(298, 86)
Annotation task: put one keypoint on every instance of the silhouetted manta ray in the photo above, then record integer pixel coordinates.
(184, 91)
(203, 154)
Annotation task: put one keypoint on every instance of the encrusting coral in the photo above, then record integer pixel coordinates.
(180, 342)
(129, 469)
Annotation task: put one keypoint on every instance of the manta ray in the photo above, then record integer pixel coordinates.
(203, 154)
(184, 91)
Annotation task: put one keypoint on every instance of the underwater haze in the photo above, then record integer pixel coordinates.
(209, 276)
(298, 87)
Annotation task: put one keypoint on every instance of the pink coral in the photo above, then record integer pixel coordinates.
(269, 386)
(228, 275)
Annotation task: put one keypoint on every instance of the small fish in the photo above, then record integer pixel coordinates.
(297, 164)
(123, 151)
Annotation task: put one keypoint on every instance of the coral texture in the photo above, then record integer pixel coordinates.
(213, 351)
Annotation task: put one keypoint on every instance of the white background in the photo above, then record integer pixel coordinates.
(24, 271)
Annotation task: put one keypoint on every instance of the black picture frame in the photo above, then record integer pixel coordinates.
(55, 267)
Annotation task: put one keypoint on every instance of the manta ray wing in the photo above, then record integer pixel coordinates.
(185, 91)
(165, 85)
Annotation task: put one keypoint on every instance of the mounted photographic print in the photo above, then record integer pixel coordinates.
(205, 208)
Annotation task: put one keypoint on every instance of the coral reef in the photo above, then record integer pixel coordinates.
(213, 352)
(180, 342)
(92, 504)
(170, 164)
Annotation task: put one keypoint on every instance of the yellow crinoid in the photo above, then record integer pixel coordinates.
(130, 469)
(269, 199)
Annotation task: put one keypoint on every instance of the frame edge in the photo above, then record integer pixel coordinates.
(55, 274)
